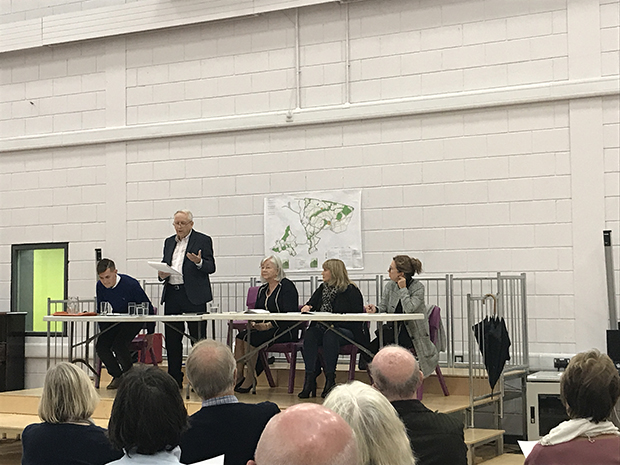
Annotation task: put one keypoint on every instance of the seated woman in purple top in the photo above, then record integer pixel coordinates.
(67, 436)
(589, 389)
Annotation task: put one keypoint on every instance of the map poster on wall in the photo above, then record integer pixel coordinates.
(306, 229)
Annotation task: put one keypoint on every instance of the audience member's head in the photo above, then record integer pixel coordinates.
(148, 414)
(590, 386)
(68, 395)
(211, 369)
(381, 436)
(395, 373)
(306, 434)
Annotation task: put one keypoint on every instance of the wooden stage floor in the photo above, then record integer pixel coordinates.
(19, 409)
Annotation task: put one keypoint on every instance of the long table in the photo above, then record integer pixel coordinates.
(323, 318)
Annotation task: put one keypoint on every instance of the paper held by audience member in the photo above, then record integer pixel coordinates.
(527, 446)
(214, 461)
(164, 267)
(256, 310)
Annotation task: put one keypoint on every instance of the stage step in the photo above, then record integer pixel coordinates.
(476, 437)
(12, 425)
(506, 459)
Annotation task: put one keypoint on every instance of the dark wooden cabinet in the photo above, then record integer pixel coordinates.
(12, 350)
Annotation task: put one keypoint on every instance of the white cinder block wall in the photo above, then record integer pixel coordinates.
(484, 134)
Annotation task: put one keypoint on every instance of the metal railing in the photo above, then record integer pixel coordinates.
(60, 334)
(508, 297)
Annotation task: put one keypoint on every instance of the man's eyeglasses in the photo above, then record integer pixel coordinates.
(181, 223)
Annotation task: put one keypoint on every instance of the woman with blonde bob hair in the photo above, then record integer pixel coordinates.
(67, 435)
(381, 435)
(337, 294)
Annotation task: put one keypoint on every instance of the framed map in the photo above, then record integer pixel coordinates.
(306, 229)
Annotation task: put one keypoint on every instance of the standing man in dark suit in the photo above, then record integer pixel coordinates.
(436, 438)
(223, 426)
(190, 253)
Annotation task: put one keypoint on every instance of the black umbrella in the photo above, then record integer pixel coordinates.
(494, 341)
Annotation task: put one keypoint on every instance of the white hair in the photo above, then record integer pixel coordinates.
(275, 260)
(190, 216)
(381, 435)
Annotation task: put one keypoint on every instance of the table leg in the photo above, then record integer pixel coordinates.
(70, 337)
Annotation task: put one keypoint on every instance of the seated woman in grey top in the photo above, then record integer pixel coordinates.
(404, 294)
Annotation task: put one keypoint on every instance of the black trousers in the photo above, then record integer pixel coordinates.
(112, 346)
(319, 336)
(177, 303)
(404, 340)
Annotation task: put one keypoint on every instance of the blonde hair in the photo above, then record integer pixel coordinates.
(381, 435)
(68, 395)
(340, 278)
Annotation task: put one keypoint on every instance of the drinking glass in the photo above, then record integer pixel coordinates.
(142, 309)
(72, 305)
(105, 308)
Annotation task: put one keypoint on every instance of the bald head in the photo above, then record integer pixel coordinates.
(306, 434)
(396, 373)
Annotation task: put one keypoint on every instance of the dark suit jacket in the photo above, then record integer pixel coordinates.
(229, 429)
(197, 284)
(436, 438)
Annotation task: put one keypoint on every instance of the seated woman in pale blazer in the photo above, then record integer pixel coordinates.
(404, 294)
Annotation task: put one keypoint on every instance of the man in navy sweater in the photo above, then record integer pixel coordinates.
(118, 290)
(223, 426)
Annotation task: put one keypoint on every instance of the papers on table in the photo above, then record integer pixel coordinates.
(164, 267)
(256, 311)
(214, 461)
(527, 446)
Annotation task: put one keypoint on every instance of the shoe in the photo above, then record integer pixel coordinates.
(245, 390)
(309, 389)
(114, 383)
(240, 383)
(330, 383)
